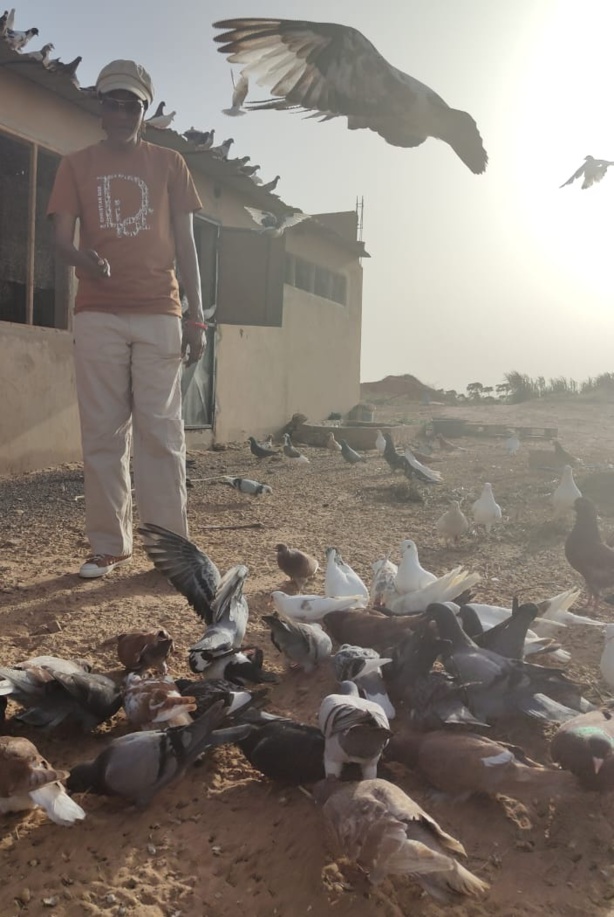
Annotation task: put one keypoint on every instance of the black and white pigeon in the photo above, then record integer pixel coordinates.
(363, 666)
(18, 40)
(138, 765)
(591, 171)
(333, 70)
(355, 730)
(221, 151)
(241, 668)
(161, 120)
(247, 486)
(273, 224)
(291, 452)
(239, 94)
(53, 690)
(305, 645)
(259, 450)
(350, 455)
(229, 611)
(208, 691)
(270, 185)
(412, 468)
(202, 139)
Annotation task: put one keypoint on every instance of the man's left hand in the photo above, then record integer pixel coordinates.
(193, 343)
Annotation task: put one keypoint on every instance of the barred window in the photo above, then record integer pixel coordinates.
(315, 279)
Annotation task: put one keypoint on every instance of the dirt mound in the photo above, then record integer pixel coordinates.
(406, 385)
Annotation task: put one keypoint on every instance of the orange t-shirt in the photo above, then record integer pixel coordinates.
(125, 201)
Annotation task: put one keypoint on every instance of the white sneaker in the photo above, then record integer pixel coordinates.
(101, 564)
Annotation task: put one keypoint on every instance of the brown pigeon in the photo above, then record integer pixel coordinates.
(382, 829)
(297, 565)
(27, 780)
(139, 651)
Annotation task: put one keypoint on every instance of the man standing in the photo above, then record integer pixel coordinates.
(134, 202)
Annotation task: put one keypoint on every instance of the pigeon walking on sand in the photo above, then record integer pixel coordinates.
(453, 524)
(350, 455)
(565, 496)
(297, 565)
(512, 443)
(247, 486)
(340, 579)
(311, 608)
(411, 575)
(335, 71)
(331, 443)
(259, 450)
(486, 511)
(292, 453)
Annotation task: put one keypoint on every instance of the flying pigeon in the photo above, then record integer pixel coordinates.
(27, 780)
(239, 94)
(247, 486)
(381, 828)
(159, 119)
(333, 70)
(592, 171)
(274, 225)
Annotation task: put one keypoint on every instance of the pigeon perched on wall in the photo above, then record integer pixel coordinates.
(305, 645)
(202, 139)
(270, 185)
(159, 119)
(28, 780)
(40, 57)
(239, 94)
(591, 171)
(354, 729)
(273, 224)
(298, 566)
(350, 455)
(138, 765)
(382, 829)
(18, 40)
(4, 19)
(333, 70)
(221, 151)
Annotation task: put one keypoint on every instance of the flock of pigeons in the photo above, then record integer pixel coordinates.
(411, 649)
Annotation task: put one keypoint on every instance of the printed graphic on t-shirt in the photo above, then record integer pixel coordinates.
(110, 193)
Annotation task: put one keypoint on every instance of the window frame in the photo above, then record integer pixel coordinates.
(318, 275)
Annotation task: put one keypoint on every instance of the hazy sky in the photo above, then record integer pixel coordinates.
(470, 276)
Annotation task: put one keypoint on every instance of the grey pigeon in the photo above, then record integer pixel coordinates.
(591, 171)
(378, 826)
(230, 612)
(247, 486)
(202, 139)
(270, 185)
(355, 729)
(363, 666)
(137, 766)
(350, 455)
(305, 645)
(259, 450)
(240, 668)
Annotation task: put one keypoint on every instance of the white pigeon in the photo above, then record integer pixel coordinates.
(380, 442)
(486, 511)
(382, 584)
(332, 444)
(159, 119)
(311, 608)
(445, 589)
(453, 524)
(411, 576)
(42, 56)
(591, 171)
(512, 443)
(274, 225)
(239, 94)
(18, 40)
(363, 666)
(606, 663)
(555, 612)
(340, 579)
(354, 729)
(566, 494)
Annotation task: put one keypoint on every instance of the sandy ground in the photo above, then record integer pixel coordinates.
(225, 841)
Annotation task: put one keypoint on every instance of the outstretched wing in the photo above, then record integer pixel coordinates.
(190, 571)
(576, 174)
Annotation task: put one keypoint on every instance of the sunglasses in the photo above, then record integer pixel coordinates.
(130, 106)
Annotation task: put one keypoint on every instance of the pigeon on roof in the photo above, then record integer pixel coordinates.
(333, 70)
(221, 151)
(202, 139)
(18, 40)
(240, 90)
(159, 119)
(273, 224)
(591, 171)
(271, 185)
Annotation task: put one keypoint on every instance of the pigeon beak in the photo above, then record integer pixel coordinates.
(597, 763)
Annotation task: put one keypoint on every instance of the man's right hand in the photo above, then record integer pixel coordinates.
(94, 264)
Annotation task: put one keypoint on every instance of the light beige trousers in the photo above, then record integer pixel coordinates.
(128, 371)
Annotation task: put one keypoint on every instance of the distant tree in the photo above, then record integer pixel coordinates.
(488, 390)
(503, 388)
(474, 389)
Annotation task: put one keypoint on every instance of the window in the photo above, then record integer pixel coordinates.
(315, 279)
(34, 288)
(250, 278)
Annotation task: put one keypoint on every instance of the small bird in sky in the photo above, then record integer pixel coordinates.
(334, 71)
(271, 185)
(239, 94)
(159, 119)
(275, 225)
(592, 171)
(202, 139)
(221, 151)
(18, 40)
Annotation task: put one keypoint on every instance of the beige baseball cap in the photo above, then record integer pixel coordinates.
(128, 75)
